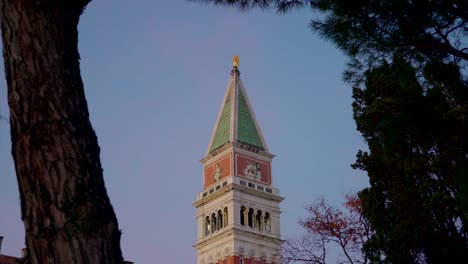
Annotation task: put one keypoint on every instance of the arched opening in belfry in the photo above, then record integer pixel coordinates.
(258, 220)
(213, 223)
(207, 226)
(219, 218)
(267, 222)
(225, 215)
(250, 217)
(242, 215)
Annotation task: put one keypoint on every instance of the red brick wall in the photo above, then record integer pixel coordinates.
(235, 260)
(224, 163)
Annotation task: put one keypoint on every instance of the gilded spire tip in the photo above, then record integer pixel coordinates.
(235, 61)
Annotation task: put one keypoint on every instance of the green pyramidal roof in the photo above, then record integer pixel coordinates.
(223, 127)
(236, 120)
(247, 131)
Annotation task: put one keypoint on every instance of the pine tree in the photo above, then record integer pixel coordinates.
(417, 162)
(67, 214)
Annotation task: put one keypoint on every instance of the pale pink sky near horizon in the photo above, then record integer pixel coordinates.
(155, 73)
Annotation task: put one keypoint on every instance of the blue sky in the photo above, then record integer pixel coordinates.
(155, 73)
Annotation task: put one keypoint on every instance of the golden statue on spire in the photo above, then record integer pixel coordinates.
(235, 61)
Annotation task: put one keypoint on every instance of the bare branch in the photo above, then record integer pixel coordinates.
(309, 249)
(462, 23)
(326, 226)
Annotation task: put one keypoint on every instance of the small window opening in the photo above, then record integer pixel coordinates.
(258, 220)
(207, 226)
(220, 220)
(242, 215)
(213, 223)
(251, 215)
(267, 222)
(225, 215)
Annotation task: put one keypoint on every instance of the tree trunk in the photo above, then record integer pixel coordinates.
(64, 204)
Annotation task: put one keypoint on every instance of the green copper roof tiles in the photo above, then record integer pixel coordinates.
(246, 130)
(222, 133)
(236, 111)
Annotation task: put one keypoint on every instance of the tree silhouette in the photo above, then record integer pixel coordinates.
(64, 205)
(417, 162)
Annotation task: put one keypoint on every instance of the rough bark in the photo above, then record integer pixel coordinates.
(67, 214)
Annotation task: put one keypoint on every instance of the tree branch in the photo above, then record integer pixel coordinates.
(435, 45)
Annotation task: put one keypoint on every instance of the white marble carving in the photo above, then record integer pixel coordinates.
(217, 172)
(253, 170)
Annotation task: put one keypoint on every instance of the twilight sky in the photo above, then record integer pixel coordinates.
(155, 73)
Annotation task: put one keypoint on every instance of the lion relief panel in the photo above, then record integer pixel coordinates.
(217, 170)
(253, 169)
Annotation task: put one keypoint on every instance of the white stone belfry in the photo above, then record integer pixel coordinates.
(238, 212)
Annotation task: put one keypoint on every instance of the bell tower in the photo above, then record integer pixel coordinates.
(238, 213)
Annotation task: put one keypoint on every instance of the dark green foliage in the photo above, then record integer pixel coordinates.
(369, 26)
(281, 6)
(369, 30)
(413, 114)
(241, 4)
(416, 163)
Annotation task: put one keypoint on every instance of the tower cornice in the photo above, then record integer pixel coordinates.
(238, 147)
(235, 186)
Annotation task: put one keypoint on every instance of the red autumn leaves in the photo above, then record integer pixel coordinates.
(327, 227)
